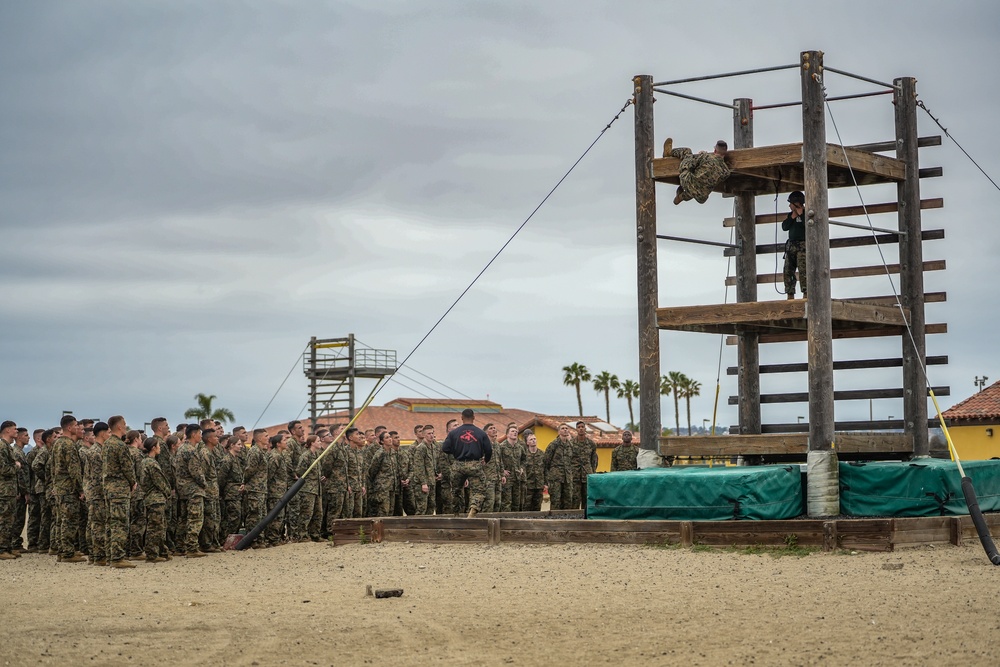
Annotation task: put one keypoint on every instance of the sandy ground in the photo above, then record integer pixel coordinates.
(305, 604)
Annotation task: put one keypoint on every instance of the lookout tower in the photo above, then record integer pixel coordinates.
(333, 364)
(813, 166)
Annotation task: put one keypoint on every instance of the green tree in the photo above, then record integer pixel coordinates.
(205, 410)
(573, 376)
(605, 382)
(670, 384)
(689, 389)
(629, 389)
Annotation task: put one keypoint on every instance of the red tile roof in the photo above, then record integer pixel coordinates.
(982, 405)
(597, 428)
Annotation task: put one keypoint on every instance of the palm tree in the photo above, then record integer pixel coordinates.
(573, 375)
(671, 384)
(628, 390)
(205, 411)
(689, 389)
(605, 382)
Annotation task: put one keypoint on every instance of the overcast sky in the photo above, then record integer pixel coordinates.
(190, 190)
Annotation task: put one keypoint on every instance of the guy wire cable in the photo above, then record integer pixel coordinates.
(253, 534)
(968, 490)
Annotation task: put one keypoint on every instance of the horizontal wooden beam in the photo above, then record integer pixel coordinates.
(845, 242)
(850, 364)
(890, 300)
(877, 425)
(840, 334)
(842, 211)
(885, 146)
(780, 444)
(931, 172)
(849, 272)
(845, 395)
(862, 162)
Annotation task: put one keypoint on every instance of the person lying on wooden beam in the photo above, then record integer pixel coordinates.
(699, 173)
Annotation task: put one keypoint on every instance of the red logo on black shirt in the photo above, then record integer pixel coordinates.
(468, 437)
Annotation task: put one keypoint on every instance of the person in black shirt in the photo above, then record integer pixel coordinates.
(472, 450)
(795, 248)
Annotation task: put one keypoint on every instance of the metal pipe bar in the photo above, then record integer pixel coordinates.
(698, 241)
(726, 75)
(860, 78)
(692, 97)
(829, 99)
(897, 232)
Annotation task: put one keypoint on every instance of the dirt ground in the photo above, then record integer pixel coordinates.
(305, 604)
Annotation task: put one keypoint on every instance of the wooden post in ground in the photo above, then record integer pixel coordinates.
(823, 497)
(911, 273)
(645, 221)
(313, 383)
(746, 278)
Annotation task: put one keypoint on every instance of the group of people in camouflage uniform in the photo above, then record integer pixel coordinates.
(102, 493)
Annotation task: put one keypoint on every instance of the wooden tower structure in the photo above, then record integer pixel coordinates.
(813, 166)
(333, 364)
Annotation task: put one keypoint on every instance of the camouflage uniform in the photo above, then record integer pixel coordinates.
(334, 467)
(355, 478)
(255, 481)
(277, 484)
(209, 536)
(155, 490)
(292, 455)
(230, 481)
(136, 510)
(165, 459)
(519, 488)
(585, 452)
(492, 472)
(34, 504)
(623, 457)
(189, 467)
(506, 453)
(699, 173)
(534, 472)
(67, 479)
(8, 495)
(97, 504)
(311, 506)
(38, 472)
(118, 478)
(475, 474)
(21, 504)
(381, 483)
(421, 473)
(443, 491)
(559, 462)
(795, 253)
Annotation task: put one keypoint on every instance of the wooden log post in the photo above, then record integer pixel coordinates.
(313, 383)
(746, 278)
(645, 221)
(911, 266)
(823, 498)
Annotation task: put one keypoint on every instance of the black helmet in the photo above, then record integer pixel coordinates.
(796, 198)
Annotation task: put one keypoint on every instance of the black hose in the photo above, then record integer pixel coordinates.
(977, 518)
(249, 538)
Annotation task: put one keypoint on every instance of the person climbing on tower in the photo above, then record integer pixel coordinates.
(795, 248)
(699, 173)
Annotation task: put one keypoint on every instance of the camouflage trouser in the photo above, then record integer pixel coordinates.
(489, 494)
(6, 521)
(137, 527)
(292, 516)
(382, 502)
(310, 515)
(231, 519)
(581, 492)
(516, 495)
(422, 502)
(571, 494)
(55, 527)
(97, 528)
(194, 522)
(533, 500)
(557, 491)
(256, 509)
(82, 538)
(397, 507)
(443, 497)
(521, 495)
(795, 258)
(209, 535)
(180, 529)
(409, 506)
(34, 519)
(156, 530)
(506, 498)
(475, 474)
(357, 504)
(170, 518)
(275, 530)
(118, 525)
(698, 174)
(69, 525)
(44, 522)
(20, 514)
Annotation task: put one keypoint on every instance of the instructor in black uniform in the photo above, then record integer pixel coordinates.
(472, 450)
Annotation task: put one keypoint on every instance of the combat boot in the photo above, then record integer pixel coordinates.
(472, 512)
(668, 146)
(6, 555)
(195, 554)
(76, 558)
(101, 563)
(122, 564)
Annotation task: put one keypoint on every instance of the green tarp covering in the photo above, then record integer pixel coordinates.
(694, 493)
(928, 487)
